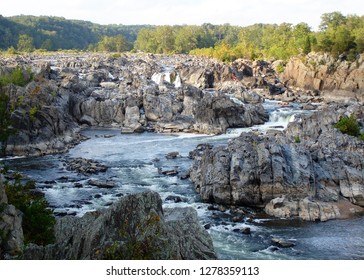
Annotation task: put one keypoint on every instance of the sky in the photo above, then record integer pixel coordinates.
(171, 12)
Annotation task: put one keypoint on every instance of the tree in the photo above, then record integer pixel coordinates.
(333, 19)
(25, 43)
(116, 43)
(6, 128)
(146, 40)
(186, 39)
(165, 37)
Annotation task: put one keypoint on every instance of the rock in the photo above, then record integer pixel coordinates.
(147, 234)
(3, 196)
(85, 166)
(336, 80)
(244, 230)
(168, 172)
(77, 185)
(173, 155)
(305, 209)
(283, 243)
(288, 179)
(174, 198)
(107, 184)
(11, 231)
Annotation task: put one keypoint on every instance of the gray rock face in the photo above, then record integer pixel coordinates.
(307, 179)
(11, 232)
(133, 228)
(337, 80)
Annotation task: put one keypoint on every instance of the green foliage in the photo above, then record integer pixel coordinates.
(280, 68)
(348, 125)
(38, 221)
(6, 128)
(361, 137)
(116, 43)
(25, 43)
(297, 140)
(17, 77)
(338, 34)
(54, 33)
(33, 112)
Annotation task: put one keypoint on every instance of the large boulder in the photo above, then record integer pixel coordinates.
(135, 227)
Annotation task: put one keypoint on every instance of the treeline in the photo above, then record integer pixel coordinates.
(54, 33)
(337, 34)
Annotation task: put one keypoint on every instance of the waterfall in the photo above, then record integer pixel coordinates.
(170, 77)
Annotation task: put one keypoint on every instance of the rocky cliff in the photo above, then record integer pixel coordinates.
(333, 79)
(311, 170)
(135, 227)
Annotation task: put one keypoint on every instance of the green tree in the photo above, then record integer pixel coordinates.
(25, 43)
(186, 39)
(38, 220)
(165, 37)
(333, 20)
(6, 128)
(116, 43)
(146, 40)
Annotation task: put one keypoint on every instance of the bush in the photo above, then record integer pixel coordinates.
(361, 137)
(17, 77)
(38, 219)
(348, 125)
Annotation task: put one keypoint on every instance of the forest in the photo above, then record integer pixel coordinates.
(337, 34)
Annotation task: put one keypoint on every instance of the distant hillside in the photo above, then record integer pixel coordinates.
(53, 33)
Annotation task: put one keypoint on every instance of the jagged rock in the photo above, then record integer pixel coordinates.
(107, 184)
(283, 243)
(173, 155)
(132, 228)
(11, 231)
(337, 80)
(308, 179)
(86, 166)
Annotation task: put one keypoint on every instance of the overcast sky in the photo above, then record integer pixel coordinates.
(159, 12)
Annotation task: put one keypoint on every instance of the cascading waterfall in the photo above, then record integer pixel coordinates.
(170, 77)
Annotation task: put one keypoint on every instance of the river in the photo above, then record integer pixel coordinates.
(135, 162)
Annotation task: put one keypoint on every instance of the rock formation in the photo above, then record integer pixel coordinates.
(11, 232)
(311, 179)
(135, 227)
(69, 92)
(334, 79)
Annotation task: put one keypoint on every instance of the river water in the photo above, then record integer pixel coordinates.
(135, 162)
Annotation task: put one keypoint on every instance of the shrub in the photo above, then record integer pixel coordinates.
(348, 125)
(361, 137)
(297, 140)
(38, 219)
(17, 77)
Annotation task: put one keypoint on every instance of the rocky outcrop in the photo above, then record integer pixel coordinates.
(133, 92)
(307, 178)
(136, 227)
(334, 79)
(11, 232)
